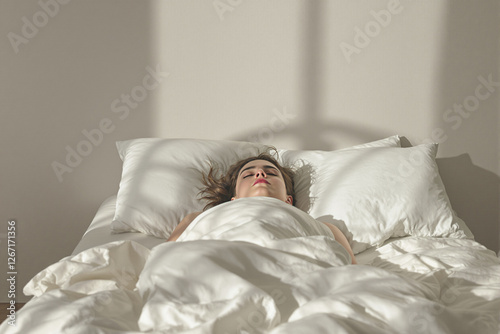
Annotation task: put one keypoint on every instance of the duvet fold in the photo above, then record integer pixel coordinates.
(262, 266)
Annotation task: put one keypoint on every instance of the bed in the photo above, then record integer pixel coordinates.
(258, 265)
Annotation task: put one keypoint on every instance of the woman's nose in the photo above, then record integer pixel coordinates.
(260, 173)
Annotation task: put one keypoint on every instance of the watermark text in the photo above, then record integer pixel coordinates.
(122, 107)
(31, 27)
(11, 272)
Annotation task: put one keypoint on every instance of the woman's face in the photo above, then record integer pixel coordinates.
(261, 178)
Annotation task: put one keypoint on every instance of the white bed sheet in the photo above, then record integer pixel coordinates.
(99, 230)
(99, 233)
(289, 276)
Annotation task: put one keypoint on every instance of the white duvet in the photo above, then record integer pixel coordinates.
(258, 265)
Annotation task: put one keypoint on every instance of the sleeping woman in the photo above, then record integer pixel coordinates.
(260, 175)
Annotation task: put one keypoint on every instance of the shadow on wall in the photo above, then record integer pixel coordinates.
(471, 31)
(472, 190)
(469, 52)
(313, 131)
(474, 194)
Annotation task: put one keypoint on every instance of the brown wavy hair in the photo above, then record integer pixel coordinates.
(221, 188)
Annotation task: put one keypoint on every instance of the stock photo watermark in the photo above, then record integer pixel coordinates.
(277, 123)
(455, 116)
(102, 300)
(460, 111)
(222, 7)
(257, 318)
(363, 36)
(32, 25)
(422, 321)
(11, 271)
(121, 107)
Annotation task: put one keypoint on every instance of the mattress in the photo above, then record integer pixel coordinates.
(99, 232)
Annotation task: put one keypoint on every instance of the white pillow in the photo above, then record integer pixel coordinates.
(374, 194)
(161, 178)
(306, 165)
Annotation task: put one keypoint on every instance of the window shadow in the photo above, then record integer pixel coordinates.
(474, 194)
(469, 51)
(313, 131)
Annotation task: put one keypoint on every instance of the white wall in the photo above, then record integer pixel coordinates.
(232, 70)
(409, 77)
(60, 83)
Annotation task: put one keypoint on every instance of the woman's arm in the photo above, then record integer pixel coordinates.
(340, 237)
(182, 226)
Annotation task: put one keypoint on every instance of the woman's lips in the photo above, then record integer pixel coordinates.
(260, 181)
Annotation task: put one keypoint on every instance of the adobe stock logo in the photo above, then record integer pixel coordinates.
(470, 104)
(30, 28)
(277, 123)
(363, 37)
(122, 107)
(486, 88)
(224, 6)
